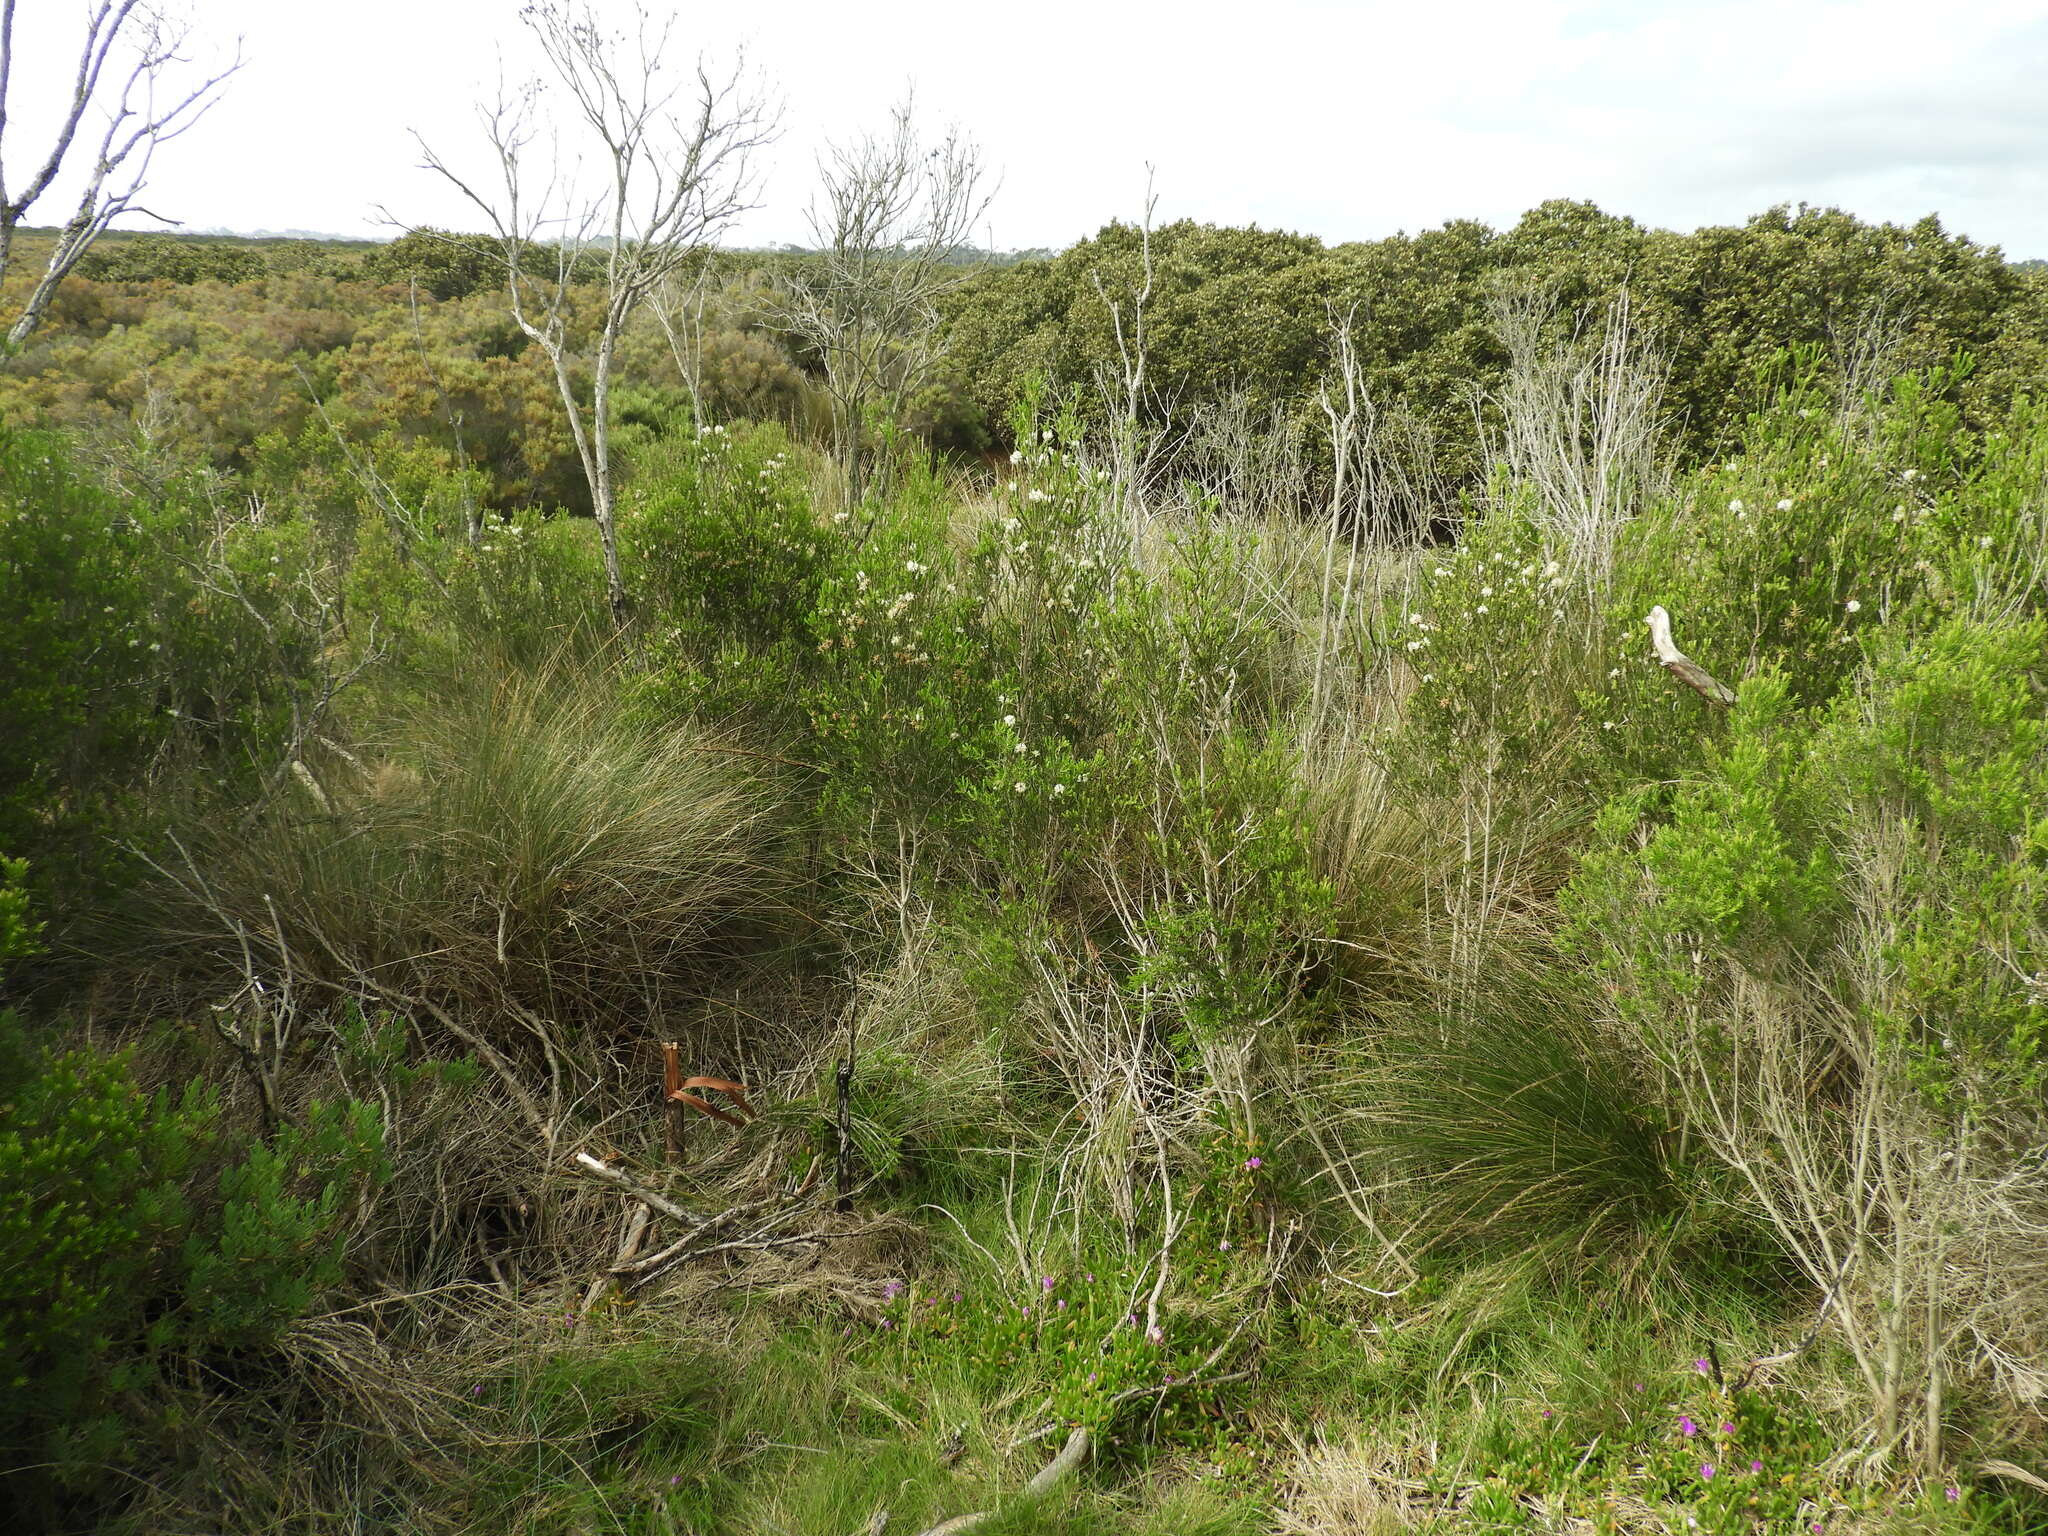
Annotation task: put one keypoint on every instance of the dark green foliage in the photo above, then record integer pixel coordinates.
(79, 603)
(165, 259)
(142, 1230)
(1249, 310)
(445, 265)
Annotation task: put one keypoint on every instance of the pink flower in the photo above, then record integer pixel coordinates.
(1952, 1493)
(1156, 1334)
(1727, 1429)
(1686, 1427)
(1704, 1367)
(1756, 1466)
(1254, 1162)
(1707, 1471)
(1046, 1282)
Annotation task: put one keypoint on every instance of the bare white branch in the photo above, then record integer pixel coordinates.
(157, 99)
(891, 220)
(670, 164)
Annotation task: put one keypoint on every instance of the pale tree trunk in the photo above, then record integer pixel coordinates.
(136, 125)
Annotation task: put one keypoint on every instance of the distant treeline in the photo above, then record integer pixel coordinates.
(237, 333)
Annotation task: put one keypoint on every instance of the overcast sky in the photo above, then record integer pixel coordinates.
(1344, 120)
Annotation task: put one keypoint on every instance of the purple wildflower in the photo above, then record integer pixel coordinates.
(1727, 1429)
(1707, 1471)
(1046, 1282)
(1704, 1367)
(1952, 1493)
(1254, 1162)
(1756, 1466)
(1686, 1427)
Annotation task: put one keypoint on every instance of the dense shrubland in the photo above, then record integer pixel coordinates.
(1257, 1003)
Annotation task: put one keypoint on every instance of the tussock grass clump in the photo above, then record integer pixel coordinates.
(1512, 1125)
(521, 849)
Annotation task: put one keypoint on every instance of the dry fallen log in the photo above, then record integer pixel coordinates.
(1682, 666)
(638, 1191)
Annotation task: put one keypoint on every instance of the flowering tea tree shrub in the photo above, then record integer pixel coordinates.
(1834, 943)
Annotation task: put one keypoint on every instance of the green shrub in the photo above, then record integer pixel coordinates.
(1832, 945)
(729, 565)
(139, 1230)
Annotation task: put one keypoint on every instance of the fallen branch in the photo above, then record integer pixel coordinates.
(640, 1192)
(1682, 666)
(636, 1229)
(1049, 1477)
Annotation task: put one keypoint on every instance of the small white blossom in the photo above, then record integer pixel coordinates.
(1785, 505)
(1985, 542)
(1480, 609)
(1853, 606)
(1735, 506)
(1019, 786)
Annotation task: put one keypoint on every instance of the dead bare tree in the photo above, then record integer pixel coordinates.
(891, 221)
(130, 58)
(1131, 447)
(678, 308)
(674, 165)
(1580, 424)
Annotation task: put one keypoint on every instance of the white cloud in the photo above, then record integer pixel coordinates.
(1347, 120)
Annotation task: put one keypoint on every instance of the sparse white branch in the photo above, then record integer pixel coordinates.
(891, 220)
(670, 165)
(147, 108)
